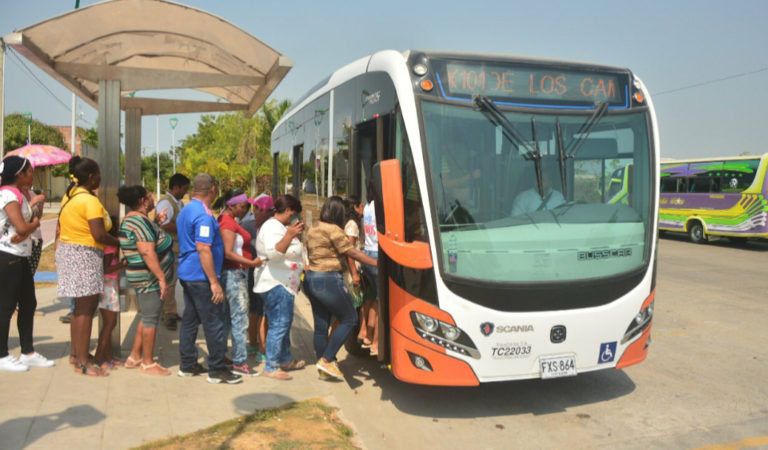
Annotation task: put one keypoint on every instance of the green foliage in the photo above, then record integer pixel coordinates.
(234, 149)
(16, 133)
(149, 171)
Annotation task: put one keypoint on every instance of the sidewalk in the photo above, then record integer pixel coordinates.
(56, 408)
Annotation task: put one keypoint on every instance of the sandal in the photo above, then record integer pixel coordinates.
(73, 360)
(277, 375)
(160, 370)
(90, 371)
(131, 363)
(374, 352)
(294, 365)
(107, 365)
(117, 362)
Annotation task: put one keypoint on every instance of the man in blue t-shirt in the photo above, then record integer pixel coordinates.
(201, 257)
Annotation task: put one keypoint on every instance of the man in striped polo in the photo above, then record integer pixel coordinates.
(171, 204)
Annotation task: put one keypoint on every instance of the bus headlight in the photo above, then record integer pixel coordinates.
(641, 321)
(444, 335)
(450, 332)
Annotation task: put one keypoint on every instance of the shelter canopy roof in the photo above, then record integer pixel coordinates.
(154, 44)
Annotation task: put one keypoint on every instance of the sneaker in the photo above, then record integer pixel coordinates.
(323, 376)
(67, 318)
(331, 368)
(224, 376)
(11, 364)
(36, 360)
(251, 350)
(261, 357)
(196, 371)
(244, 370)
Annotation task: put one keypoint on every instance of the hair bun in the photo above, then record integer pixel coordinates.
(74, 162)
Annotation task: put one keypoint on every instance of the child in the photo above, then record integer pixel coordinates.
(109, 305)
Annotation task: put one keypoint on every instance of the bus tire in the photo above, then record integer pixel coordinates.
(353, 346)
(696, 233)
(735, 240)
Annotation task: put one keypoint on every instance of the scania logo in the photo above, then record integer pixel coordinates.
(486, 328)
(514, 328)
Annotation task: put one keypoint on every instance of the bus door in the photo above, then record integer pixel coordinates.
(370, 145)
(298, 157)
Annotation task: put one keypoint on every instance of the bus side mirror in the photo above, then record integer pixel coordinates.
(390, 218)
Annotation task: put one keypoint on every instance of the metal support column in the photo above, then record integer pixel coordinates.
(109, 163)
(2, 98)
(132, 147)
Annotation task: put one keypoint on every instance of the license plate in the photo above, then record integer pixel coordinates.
(558, 366)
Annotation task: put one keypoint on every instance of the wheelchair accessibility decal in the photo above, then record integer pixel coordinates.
(607, 352)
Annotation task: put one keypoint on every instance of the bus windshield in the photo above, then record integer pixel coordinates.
(499, 220)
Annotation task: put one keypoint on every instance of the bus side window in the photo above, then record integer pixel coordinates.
(415, 220)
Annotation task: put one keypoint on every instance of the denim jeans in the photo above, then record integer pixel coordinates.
(278, 303)
(371, 273)
(329, 298)
(235, 283)
(200, 309)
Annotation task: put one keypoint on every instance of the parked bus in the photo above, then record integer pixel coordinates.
(501, 257)
(718, 197)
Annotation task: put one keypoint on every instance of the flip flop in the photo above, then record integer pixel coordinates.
(107, 365)
(277, 375)
(294, 365)
(145, 369)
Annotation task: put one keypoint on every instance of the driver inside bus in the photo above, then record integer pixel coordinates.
(530, 200)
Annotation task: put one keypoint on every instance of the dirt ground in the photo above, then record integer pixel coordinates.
(310, 424)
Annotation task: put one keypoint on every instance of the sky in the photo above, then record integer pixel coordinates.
(669, 45)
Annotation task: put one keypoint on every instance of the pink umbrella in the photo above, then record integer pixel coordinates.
(42, 155)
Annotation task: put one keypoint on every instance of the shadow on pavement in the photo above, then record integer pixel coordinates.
(751, 246)
(72, 417)
(57, 305)
(537, 397)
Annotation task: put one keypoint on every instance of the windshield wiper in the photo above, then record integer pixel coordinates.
(561, 158)
(531, 153)
(586, 128)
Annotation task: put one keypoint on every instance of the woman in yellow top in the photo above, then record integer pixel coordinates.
(83, 228)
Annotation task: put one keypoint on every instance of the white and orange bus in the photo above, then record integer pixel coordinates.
(501, 255)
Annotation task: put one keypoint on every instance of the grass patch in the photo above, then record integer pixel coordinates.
(48, 260)
(48, 216)
(44, 284)
(310, 424)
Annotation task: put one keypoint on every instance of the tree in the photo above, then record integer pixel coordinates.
(234, 149)
(16, 133)
(149, 171)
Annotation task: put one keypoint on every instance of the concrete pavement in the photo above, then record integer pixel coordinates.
(55, 408)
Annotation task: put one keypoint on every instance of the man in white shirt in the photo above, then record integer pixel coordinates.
(171, 204)
(531, 201)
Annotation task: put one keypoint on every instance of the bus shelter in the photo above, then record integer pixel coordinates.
(107, 52)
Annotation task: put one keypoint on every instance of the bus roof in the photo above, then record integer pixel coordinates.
(700, 160)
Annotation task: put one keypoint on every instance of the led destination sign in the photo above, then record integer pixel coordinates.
(526, 85)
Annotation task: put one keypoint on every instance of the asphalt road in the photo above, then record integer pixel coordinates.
(704, 384)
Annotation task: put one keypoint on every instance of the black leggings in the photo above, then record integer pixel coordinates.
(18, 289)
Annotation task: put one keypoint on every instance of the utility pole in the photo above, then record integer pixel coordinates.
(157, 123)
(28, 116)
(74, 107)
(2, 98)
(174, 121)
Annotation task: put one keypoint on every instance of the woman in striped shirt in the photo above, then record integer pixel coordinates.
(149, 253)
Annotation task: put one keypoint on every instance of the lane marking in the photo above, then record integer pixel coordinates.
(746, 443)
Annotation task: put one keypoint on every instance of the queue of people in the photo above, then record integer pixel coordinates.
(240, 272)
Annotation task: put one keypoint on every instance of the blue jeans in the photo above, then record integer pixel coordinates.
(200, 309)
(329, 298)
(278, 302)
(371, 273)
(235, 283)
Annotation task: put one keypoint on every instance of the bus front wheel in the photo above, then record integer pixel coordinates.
(696, 233)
